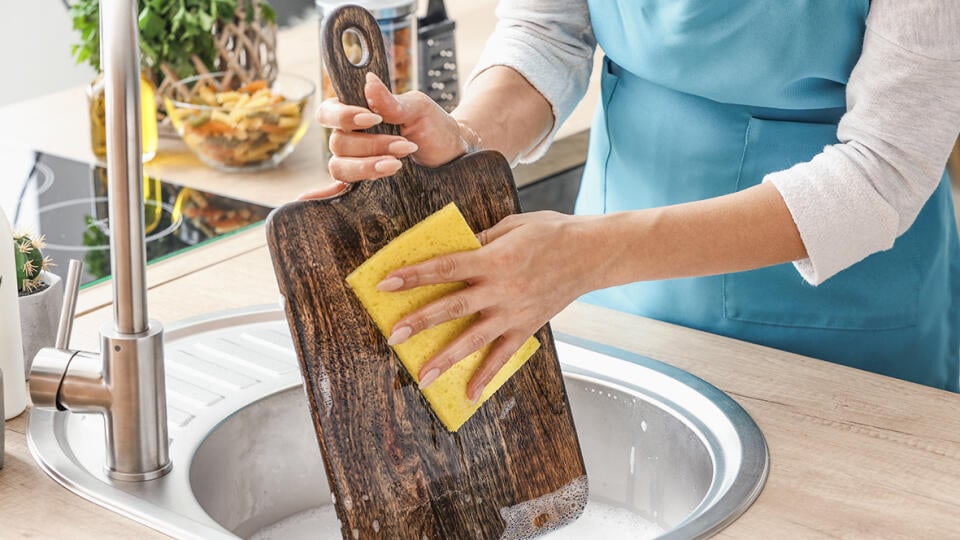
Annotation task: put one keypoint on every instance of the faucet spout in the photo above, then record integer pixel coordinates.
(121, 62)
(125, 382)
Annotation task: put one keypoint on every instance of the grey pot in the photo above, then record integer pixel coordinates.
(39, 314)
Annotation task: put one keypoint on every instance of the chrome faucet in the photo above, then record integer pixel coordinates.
(125, 381)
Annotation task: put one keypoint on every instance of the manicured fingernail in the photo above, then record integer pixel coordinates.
(429, 377)
(388, 166)
(390, 284)
(402, 148)
(366, 120)
(399, 335)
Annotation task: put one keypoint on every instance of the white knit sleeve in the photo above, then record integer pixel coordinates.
(903, 117)
(551, 44)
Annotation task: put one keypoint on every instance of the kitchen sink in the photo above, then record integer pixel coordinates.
(661, 446)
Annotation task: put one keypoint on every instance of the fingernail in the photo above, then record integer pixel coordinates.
(336, 189)
(429, 377)
(371, 76)
(399, 335)
(476, 397)
(390, 284)
(366, 119)
(388, 166)
(402, 148)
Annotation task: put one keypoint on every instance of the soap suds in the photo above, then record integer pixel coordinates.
(507, 407)
(323, 385)
(548, 512)
(599, 520)
(608, 522)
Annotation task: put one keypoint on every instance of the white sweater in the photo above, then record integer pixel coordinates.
(855, 198)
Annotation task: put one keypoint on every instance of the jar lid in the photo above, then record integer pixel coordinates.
(381, 9)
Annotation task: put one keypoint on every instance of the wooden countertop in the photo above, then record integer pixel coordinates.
(853, 454)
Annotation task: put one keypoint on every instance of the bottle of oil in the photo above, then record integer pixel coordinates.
(98, 117)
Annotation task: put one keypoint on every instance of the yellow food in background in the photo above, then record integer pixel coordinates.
(247, 125)
(443, 232)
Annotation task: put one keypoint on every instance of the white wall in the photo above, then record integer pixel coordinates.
(35, 59)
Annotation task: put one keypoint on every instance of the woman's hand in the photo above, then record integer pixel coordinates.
(529, 268)
(428, 133)
(499, 105)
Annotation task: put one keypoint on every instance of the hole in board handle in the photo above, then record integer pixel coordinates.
(355, 47)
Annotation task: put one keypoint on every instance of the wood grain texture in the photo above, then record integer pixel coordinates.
(395, 470)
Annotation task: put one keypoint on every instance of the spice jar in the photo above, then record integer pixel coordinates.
(398, 24)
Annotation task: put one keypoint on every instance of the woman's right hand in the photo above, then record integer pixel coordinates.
(427, 133)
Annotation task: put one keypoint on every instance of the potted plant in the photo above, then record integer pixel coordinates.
(179, 38)
(41, 296)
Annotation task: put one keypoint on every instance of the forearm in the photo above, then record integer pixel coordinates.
(531, 74)
(742, 231)
(857, 197)
(505, 112)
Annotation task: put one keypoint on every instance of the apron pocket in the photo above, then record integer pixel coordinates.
(880, 292)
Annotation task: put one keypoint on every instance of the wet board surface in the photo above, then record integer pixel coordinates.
(514, 469)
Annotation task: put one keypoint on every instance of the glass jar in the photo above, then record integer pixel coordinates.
(97, 104)
(398, 24)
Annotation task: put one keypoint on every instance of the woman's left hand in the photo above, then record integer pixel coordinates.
(530, 266)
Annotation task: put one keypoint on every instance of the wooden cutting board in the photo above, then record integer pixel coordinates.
(514, 469)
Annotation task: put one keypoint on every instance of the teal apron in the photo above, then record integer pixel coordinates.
(701, 98)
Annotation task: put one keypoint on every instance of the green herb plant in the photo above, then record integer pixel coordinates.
(171, 31)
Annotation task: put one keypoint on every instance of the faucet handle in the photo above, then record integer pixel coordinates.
(50, 365)
(70, 291)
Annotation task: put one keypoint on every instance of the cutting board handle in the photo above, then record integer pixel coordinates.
(352, 24)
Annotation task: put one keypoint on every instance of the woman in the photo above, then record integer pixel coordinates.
(731, 138)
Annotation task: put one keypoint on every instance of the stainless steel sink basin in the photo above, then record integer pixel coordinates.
(659, 444)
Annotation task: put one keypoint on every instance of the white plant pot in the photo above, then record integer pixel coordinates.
(39, 315)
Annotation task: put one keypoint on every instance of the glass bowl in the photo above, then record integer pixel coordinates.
(236, 127)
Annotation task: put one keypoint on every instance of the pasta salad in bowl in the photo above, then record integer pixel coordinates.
(233, 126)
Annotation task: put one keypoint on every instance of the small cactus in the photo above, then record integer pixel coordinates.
(30, 261)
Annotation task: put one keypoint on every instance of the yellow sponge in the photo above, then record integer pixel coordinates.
(444, 232)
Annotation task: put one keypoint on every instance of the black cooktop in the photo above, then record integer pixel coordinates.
(66, 201)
